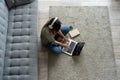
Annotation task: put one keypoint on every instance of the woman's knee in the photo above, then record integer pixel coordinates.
(65, 29)
(57, 50)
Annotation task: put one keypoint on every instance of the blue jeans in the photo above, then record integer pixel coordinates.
(56, 48)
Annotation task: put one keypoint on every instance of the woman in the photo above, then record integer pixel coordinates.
(53, 35)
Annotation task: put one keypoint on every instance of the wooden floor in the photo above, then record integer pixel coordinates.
(114, 13)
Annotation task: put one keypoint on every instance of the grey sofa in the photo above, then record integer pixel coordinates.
(18, 41)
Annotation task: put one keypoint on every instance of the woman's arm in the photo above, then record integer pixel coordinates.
(61, 34)
(61, 44)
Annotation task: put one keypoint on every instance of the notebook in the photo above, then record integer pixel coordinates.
(73, 33)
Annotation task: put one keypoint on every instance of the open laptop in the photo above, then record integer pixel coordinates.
(72, 44)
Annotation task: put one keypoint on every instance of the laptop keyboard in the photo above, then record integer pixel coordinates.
(71, 46)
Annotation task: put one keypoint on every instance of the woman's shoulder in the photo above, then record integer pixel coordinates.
(45, 30)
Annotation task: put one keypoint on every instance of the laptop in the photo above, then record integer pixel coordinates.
(72, 44)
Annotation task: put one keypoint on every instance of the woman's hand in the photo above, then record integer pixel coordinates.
(66, 38)
(62, 44)
(65, 45)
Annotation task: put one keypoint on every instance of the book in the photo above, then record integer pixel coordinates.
(73, 33)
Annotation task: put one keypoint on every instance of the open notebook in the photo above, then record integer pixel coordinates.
(73, 33)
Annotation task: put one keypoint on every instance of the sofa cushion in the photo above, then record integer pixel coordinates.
(21, 46)
(3, 33)
(15, 3)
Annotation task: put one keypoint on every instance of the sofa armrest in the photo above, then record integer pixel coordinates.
(3, 33)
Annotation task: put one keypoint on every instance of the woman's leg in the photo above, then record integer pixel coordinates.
(54, 48)
(65, 29)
